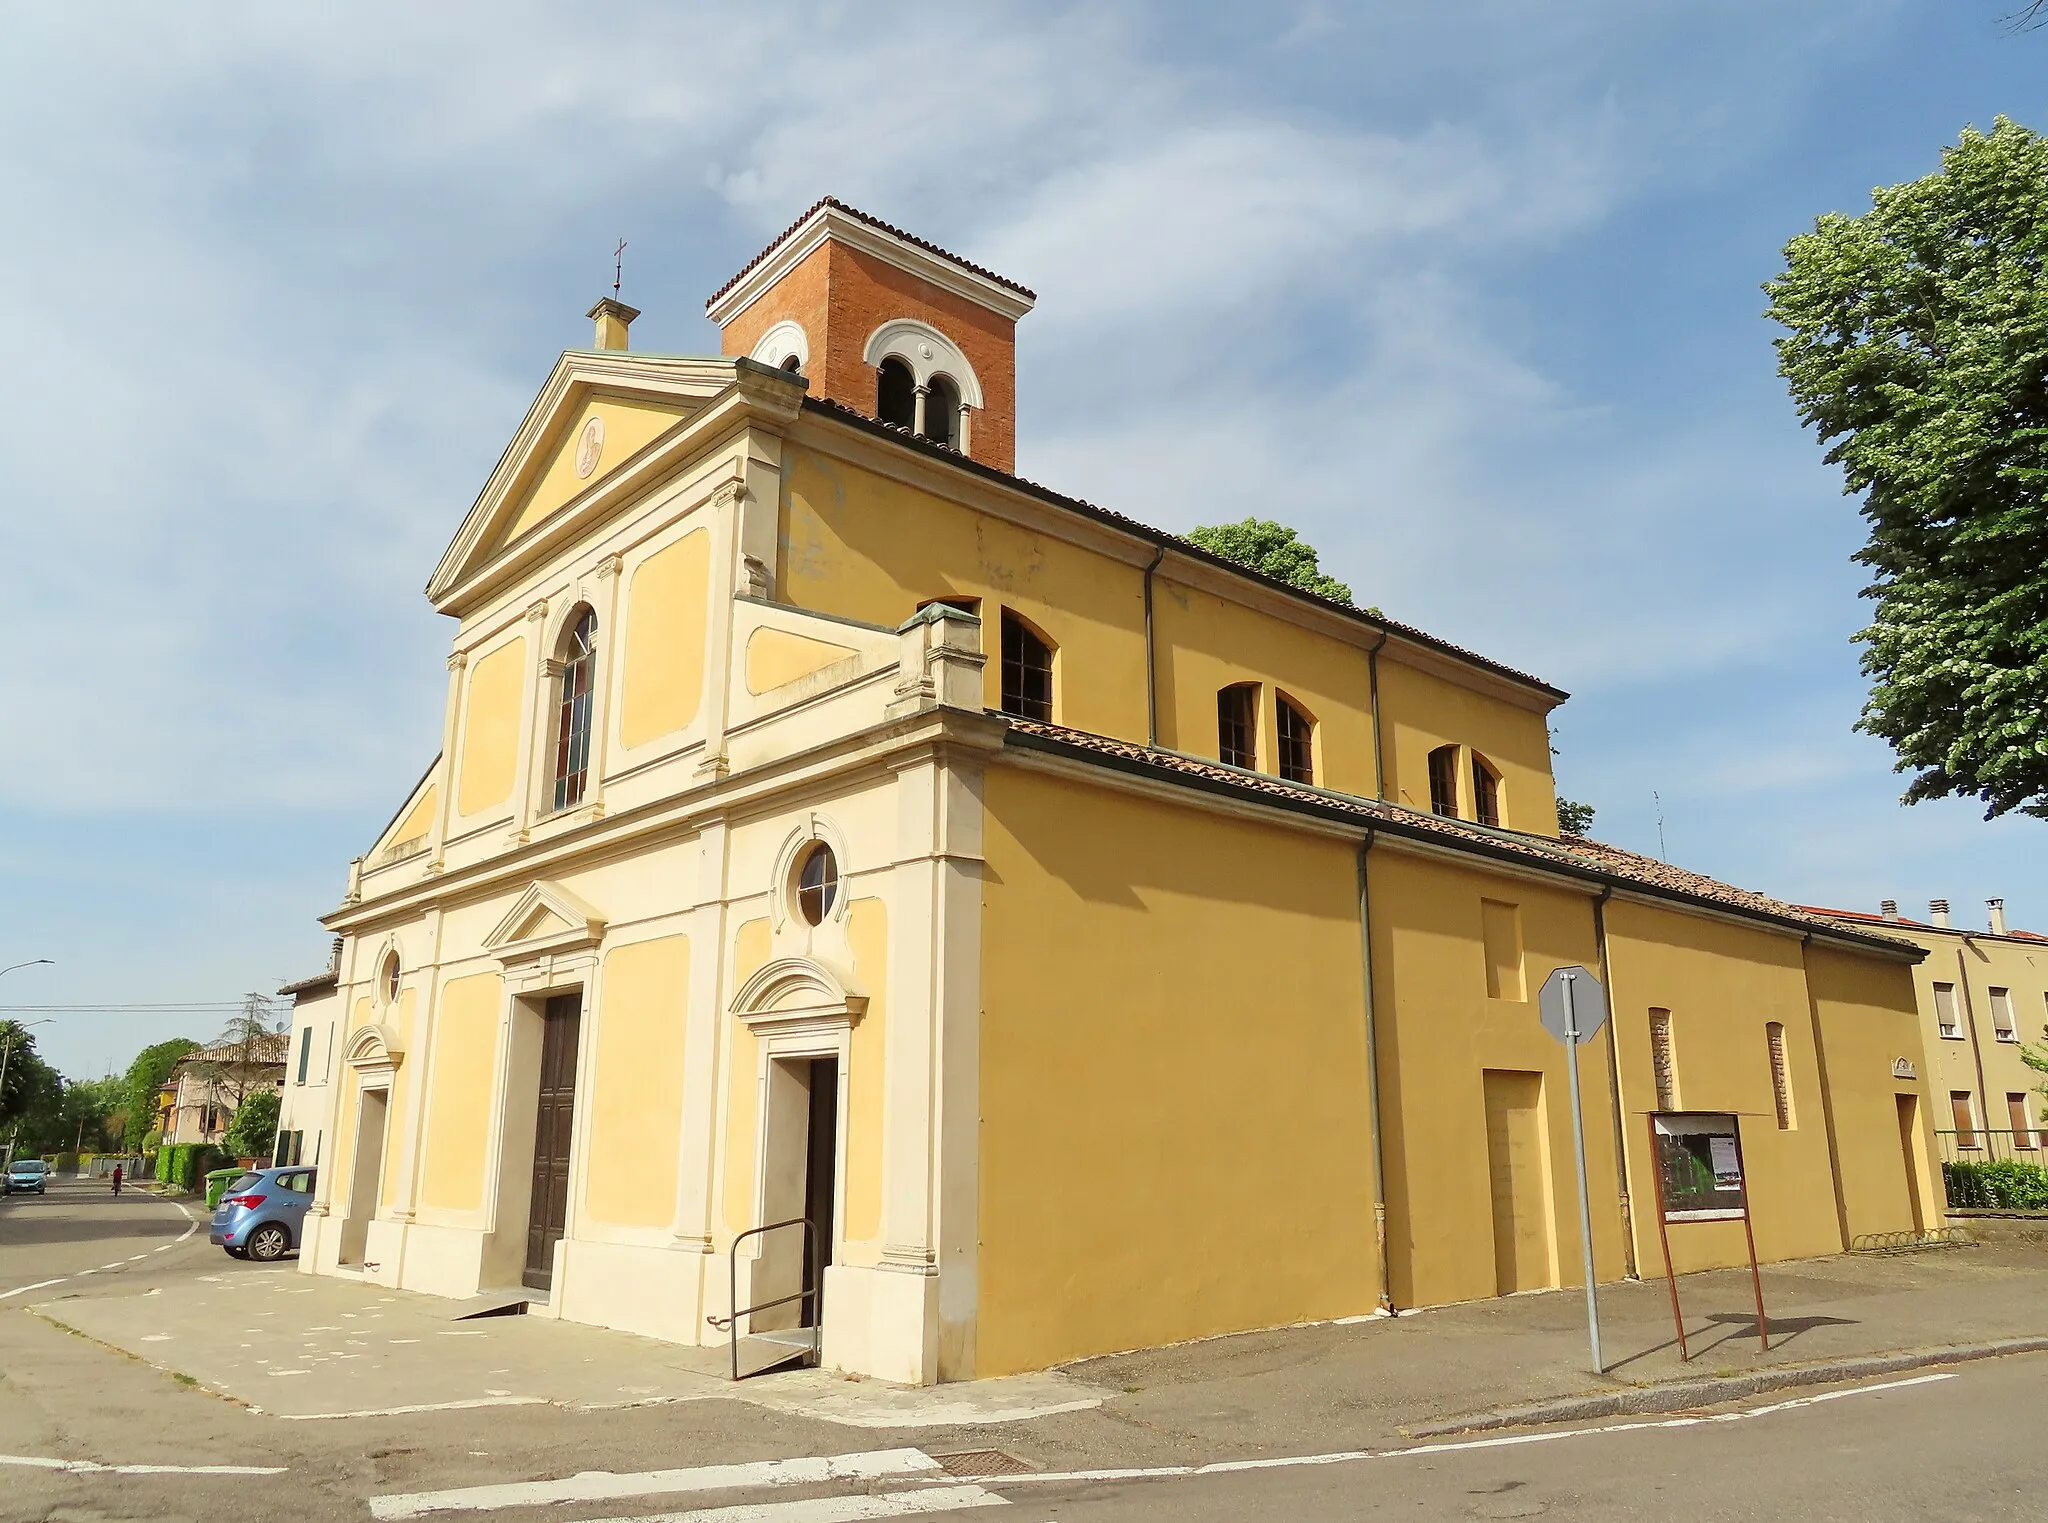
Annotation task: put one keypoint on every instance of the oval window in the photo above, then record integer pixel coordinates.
(817, 884)
(391, 979)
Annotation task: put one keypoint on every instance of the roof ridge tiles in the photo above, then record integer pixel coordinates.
(880, 226)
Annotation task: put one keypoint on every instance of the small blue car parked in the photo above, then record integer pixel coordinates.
(261, 1213)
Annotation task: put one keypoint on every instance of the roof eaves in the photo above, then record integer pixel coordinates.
(1138, 529)
(1538, 852)
(880, 226)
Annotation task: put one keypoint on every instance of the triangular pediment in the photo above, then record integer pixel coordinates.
(546, 918)
(605, 426)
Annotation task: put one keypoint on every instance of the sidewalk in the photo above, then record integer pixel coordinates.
(296, 1346)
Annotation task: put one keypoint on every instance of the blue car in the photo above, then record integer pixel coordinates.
(26, 1174)
(261, 1212)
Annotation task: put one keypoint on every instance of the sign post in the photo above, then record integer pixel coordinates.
(1696, 1157)
(1572, 1006)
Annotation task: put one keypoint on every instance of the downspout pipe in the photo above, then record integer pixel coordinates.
(1379, 761)
(1628, 1224)
(1151, 664)
(1372, 1079)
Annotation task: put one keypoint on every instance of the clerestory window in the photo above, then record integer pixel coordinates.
(1485, 791)
(1297, 740)
(1443, 780)
(1237, 725)
(1027, 671)
(572, 711)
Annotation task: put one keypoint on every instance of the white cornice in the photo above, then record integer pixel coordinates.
(831, 222)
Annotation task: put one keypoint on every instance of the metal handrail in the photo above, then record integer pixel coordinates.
(731, 1324)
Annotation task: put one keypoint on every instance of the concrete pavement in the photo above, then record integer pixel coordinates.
(110, 1393)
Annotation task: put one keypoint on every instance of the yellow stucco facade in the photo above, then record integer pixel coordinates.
(779, 904)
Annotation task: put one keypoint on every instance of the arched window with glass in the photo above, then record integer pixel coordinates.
(1296, 732)
(578, 660)
(1027, 670)
(1485, 791)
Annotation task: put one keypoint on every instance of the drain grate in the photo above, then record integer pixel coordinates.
(980, 1463)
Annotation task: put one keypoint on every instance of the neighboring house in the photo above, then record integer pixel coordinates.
(1983, 995)
(1099, 943)
(309, 1061)
(207, 1086)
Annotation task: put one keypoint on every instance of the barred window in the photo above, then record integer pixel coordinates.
(1443, 780)
(1027, 671)
(1297, 741)
(1781, 1079)
(1237, 725)
(1485, 791)
(572, 712)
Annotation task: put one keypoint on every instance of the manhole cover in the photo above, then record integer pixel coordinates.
(981, 1462)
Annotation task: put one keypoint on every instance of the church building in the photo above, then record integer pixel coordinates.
(995, 929)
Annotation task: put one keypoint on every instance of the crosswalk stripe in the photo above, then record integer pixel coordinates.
(606, 1485)
(889, 1504)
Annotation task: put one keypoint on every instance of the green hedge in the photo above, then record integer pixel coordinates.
(2007, 1185)
(186, 1164)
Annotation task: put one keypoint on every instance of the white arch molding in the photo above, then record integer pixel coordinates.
(780, 342)
(927, 352)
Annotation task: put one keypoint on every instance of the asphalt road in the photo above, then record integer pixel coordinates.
(1949, 1445)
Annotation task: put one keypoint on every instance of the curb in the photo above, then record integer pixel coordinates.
(1676, 1396)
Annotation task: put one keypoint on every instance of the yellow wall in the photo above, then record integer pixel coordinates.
(628, 427)
(775, 656)
(1206, 643)
(1440, 1032)
(665, 625)
(418, 820)
(751, 945)
(636, 1092)
(865, 547)
(1977, 964)
(867, 935)
(459, 1100)
(490, 729)
(1723, 983)
(1867, 1019)
(1419, 712)
(1173, 1136)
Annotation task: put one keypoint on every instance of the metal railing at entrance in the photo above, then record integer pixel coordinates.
(808, 1298)
(1980, 1146)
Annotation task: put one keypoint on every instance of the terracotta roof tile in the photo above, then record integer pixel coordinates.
(877, 223)
(1180, 543)
(1862, 917)
(1570, 855)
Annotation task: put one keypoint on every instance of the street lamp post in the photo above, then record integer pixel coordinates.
(7, 1047)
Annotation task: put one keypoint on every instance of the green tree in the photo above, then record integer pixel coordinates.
(147, 1074)
(1918, 350)
(253, 1132)
(1274, 550)
(1574, 819)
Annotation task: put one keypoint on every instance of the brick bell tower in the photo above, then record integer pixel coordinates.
(886, 324)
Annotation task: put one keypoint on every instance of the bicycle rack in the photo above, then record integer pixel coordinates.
(731, 1324)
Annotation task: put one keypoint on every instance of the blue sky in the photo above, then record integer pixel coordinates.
(1467, 292)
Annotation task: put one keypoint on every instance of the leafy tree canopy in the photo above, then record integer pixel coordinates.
(253, 1132)
(1918, 349)
(1274, 550)
(146, 1075)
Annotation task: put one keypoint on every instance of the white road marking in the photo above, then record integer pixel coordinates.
(428, 1406)
(92, 1467)
(1504, 1441)
(119, 1264)
(893, 1504)
(604, 1485)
